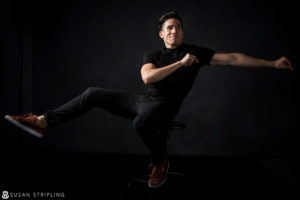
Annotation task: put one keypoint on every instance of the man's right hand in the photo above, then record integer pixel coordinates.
(151, 74)
(188, 60)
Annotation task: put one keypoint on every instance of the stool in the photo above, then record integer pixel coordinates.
(173, 126)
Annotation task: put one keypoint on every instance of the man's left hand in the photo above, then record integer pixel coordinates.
(283, 63)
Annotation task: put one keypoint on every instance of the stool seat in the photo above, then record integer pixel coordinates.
(175, 125)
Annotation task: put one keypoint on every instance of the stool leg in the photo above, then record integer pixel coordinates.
(165, 132)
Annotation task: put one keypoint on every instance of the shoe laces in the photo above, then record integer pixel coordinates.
(28, 115)
(157, 170)
(24, 116)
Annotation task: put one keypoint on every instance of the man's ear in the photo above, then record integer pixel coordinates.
(160, 34)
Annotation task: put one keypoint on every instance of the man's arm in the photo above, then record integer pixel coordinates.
(151, 74)
(242, 60)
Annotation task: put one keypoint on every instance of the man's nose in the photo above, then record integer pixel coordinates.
(174, 30)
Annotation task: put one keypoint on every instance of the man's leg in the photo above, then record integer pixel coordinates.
(153, 117)
(114, 101)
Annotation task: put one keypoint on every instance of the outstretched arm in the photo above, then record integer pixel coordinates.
(242, 60)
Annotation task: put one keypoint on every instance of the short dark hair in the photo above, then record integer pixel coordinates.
(167, 16)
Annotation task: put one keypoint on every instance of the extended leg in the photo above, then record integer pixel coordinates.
(116, 102)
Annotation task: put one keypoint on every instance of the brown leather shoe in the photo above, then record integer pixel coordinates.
(28, 123)
(159, 174)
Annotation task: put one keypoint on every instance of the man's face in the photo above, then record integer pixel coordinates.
(172, 33)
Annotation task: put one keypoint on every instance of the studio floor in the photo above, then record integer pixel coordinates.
(110, 176)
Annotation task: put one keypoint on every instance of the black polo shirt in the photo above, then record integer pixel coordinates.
(177, 85)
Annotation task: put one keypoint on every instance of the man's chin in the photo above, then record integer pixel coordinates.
(174, 43)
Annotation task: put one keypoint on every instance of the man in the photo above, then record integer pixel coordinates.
(168, 73)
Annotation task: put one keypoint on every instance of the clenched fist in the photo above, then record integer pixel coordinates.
(283, 63)
(188, 60)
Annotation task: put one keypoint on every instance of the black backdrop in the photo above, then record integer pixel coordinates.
(53, 50)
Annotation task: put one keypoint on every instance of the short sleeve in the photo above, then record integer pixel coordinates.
(204, 55)
(148, 58)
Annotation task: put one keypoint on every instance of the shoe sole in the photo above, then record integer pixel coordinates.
(163, 181)
(23, 127)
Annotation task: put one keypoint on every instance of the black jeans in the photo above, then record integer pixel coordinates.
(149, 115)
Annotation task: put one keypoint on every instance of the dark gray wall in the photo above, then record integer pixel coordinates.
(68, 46)
(11, 72)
